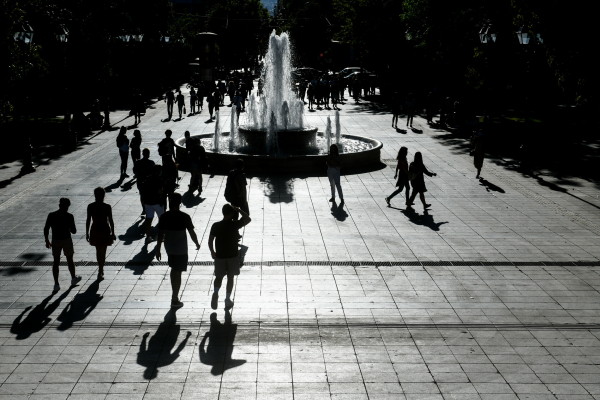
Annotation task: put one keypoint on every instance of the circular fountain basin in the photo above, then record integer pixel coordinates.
(295, 163)
(290, 141)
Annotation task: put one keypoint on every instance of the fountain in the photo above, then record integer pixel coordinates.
(273, 134)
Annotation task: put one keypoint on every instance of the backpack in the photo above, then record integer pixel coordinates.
(163, 148)
(412, 171)
(231, 192)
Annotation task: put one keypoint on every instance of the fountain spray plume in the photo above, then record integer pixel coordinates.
(338, 131)
(232, 134)
(216, 138)
(328, 133)
(285, 112)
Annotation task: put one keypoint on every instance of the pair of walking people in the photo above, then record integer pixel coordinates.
(99, 232)
(412, 175)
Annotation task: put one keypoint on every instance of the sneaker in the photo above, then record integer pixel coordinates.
(426, 206)
(331, 200)
(149, 239)
(214, 303)
(387, 200)
(56, 288)
(178, 304)
(228, 304)
(75, 280)
(126, 176)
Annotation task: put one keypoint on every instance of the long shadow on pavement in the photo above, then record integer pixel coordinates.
(159, 351)
(38, 318)
(219, 349)
(80, 307)
(424, 220)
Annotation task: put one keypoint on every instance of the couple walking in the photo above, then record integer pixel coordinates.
(413, 175)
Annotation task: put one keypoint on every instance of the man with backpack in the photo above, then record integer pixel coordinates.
(235, 188)
(143, 170)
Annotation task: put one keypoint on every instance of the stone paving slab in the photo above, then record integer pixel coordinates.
(492, 294)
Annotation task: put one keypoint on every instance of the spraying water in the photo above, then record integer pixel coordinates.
(338, 131)
(216, 138)
(232, 133)
(328, 133)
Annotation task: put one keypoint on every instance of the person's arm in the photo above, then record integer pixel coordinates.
(190, 229)
(245, 217)
(47, 232)
(111, 222)
(161, 236)
(73, 228)
(211, 241)
(426, 172)
(87, 224)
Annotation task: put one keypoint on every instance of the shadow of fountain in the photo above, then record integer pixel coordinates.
(279, 189)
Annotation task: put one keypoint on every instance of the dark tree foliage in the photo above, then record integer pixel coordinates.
(242, 26)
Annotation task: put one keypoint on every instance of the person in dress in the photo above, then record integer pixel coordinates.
(416, 170)
(101, 234)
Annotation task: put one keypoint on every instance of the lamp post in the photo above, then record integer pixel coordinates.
(487, 37)
(24, 34)
(62, 37)
(106, 37)
(529, 40)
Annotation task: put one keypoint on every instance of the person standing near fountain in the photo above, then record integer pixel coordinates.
(170, 100)
(180, 103)
(333, 173)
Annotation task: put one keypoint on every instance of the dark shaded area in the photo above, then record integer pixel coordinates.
(278, 189)
(159, 351)
(38, 318)
(80, 307)
(35, 256)
(115, 185)
(338, 212)
(216, 346)
(489, 186)
(133, 233)
(425, 220)
(16, 270)
(141, 261)
(189, 200)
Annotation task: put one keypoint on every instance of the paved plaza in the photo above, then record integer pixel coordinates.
(493, 293)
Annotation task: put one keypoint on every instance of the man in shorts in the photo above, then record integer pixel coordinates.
(227, 261)
(172, 226)
(62, 224)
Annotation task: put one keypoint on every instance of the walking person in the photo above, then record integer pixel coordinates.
(396, 109)
(211, 101)
(333, 173)
(411, 103)
(477, 151)
(200, 96)
(172, 227)
(166, 147)
(430, 107)
(223, 245)
(402, 175)
(193, 101)
(137, 108)
(196, 153)
(135, 144)
(180, 103)
(123, 145)
(218, 100)
(170, 100)
(143, 170)
(417, 181)
(102, 231)
(152, 191)
(235, 188)
(62, 224)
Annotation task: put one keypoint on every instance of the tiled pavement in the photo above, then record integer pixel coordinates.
(510, 313)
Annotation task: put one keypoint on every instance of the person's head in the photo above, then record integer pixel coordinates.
(402, 153)
(333, 150)
(122, 131)
(228, 211)
(418, 158)
(146, 152)
(187, 134)
(137, 133)
(239, 164)
(168, 133)
(174, 201)
(99, 193)
(64, 203)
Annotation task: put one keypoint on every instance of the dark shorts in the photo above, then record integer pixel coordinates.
(65, 246)
(227, 266)
(178, 262)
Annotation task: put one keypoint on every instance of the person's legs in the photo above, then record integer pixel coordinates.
(422, 196)
(148, 228)
(124, 156)
(55, 264)
(394, 193)
(101, 258)
(412, 198)
(339, 189)
(175, 285)
(71, 265)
